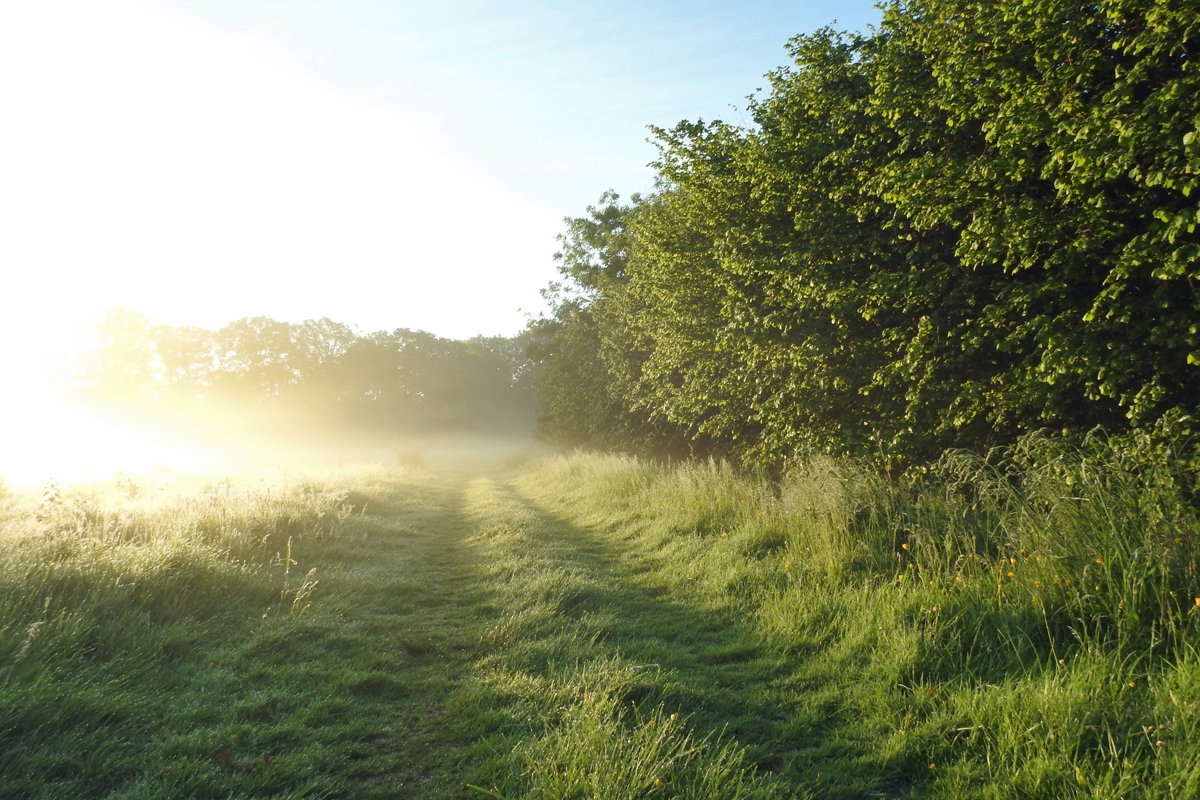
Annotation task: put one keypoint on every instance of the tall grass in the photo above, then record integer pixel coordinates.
(81, 552)
(1027, 618)
(1023, 623)
(110, 598)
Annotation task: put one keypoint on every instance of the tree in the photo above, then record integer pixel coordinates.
(977, 221)
(586, 358)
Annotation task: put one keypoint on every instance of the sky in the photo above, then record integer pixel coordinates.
(383, 163)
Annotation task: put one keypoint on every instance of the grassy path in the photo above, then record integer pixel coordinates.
(621, 595)
(582, 628)
(577, 616)
(226, 647)
(450, 639)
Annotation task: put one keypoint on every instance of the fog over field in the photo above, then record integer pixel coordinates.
(462, 399)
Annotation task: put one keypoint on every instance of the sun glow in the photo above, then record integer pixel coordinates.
(163, 162)
(48, 437)
(48, 432)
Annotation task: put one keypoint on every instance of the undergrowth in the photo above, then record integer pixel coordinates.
(1022, 624)
(134, 625)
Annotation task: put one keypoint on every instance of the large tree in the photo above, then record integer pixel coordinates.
(978, 220)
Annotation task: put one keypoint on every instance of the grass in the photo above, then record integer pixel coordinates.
(602, 627)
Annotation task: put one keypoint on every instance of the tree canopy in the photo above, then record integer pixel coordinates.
(319, 370)
(975, 221)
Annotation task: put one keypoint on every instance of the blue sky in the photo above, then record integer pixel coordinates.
(386, 164)
(555, 95)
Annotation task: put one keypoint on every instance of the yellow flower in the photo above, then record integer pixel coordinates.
(1099, 561)
(1011, 574)
(1037, 583)
(904, 546)
(1066, 581)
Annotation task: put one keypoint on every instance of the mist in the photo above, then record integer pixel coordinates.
(153, 400)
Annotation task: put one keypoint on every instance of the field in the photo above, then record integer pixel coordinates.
(602, 627)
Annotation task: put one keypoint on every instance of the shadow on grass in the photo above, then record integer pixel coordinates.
(359, 693)
(706, 665)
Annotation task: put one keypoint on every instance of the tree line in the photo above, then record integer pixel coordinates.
(319, 370)
(975, 221)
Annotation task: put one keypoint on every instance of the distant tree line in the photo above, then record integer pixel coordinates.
(975, 221)
(320, 370)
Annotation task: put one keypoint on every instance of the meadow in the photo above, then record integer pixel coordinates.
(585, 626)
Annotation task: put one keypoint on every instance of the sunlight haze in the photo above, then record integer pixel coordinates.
(385, 165)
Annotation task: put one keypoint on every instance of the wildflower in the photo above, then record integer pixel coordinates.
(1012, 562)
(1062, 661)
(932, 765)
(1198, 601)
(787, 565)
(658, 781)
(1066, 581)
(1131, 684)
(1011, 574)
(1099, 561)
(900, 577)
(674, 717)
(1037, 584)
(904, 546)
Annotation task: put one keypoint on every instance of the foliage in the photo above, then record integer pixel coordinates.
(587, 354)
(318, 370)
(977, 221)
(1019, 624)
